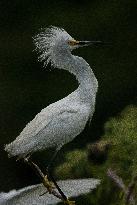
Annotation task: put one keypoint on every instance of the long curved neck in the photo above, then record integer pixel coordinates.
(79, 67)
(87, 81)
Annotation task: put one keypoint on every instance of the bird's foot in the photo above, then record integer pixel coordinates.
(48, 184)
(68, 202)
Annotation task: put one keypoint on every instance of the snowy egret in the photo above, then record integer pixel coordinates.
(60, 122)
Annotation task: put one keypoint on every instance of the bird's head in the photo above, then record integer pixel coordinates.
(54, 41)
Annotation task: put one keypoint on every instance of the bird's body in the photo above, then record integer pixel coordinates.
(62, 121)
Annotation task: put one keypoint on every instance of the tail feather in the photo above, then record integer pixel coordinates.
(10, 149)
(13, 150)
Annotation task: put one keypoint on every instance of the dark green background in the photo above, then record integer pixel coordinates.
(26, 88)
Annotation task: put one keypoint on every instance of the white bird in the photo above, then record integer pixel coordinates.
(60, 122)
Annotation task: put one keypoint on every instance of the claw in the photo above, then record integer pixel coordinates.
(67, 202)
(49, 185)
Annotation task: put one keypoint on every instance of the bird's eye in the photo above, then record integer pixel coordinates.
(72, 42)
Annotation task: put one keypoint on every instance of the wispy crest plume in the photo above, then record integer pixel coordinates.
(45, 42)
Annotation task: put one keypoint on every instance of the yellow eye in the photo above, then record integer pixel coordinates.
(72, 42)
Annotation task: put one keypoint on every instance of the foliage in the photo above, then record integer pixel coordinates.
(121, 132)
(76, 165)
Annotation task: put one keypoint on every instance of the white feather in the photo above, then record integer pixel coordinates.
(31, 195)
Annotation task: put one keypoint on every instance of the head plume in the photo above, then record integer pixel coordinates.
(46, 43)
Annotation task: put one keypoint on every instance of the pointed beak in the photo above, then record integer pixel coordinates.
(96, 43)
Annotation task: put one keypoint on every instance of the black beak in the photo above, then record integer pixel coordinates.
(96, 43)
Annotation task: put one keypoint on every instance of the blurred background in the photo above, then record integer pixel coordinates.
(26, 87)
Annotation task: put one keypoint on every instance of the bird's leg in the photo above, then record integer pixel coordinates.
(52, 159)
(65, 199)
(49, 185)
